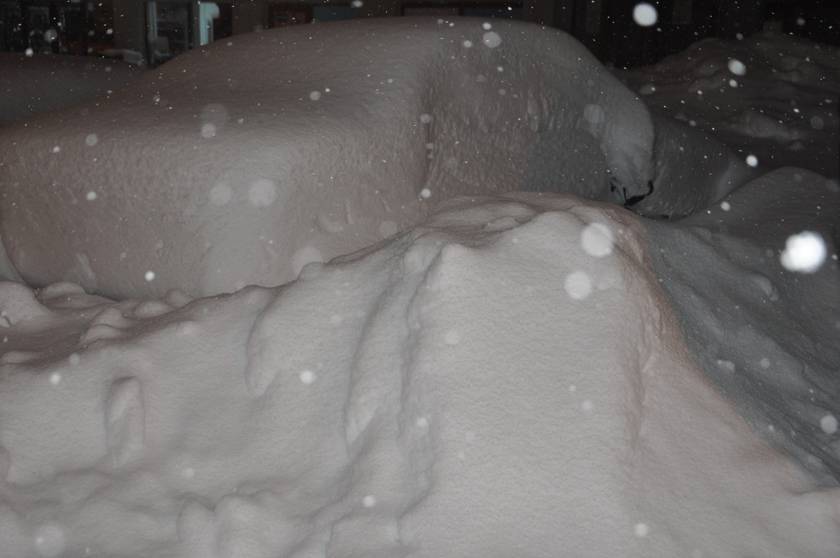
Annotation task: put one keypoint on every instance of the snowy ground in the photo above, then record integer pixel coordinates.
(529, 374)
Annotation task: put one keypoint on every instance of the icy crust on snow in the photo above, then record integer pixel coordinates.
(771, 96)
(41, 83)
(506, 379)
(239, 163)
(766, 335)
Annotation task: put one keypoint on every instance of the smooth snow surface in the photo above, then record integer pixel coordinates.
(440, 395)
(528, 374)
(227, 165)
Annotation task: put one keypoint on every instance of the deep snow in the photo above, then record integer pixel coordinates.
(239, 162)
(771, 96)
(530, 374)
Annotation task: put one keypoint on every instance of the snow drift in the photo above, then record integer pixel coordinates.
(522, 374)
(772, 96)
(238, 163)
(506, 379)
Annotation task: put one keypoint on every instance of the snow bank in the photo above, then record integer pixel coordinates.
(44, 83)
(238, 163)
(507, 379)
(771, 96)
(518, 375)
(765, 334)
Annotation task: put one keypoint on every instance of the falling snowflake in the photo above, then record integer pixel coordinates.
(314, 95)
(726, 365)
(641, 530)
(149, 276)
(491, 39)
(91, 140)
(647, 89)
(829, 424)
(737, 67)
(804, 252)
(50, 540)
(262, 193)
(208, 131)
(369, 501)
(645, 15)
(452, 337)
(90, 196)
(307, 376)
(597, 240)
(752, 160)
(578, 285)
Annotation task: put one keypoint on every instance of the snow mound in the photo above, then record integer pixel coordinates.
(771, 96)
(241, 162)
(506, 379)
(765, 334)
